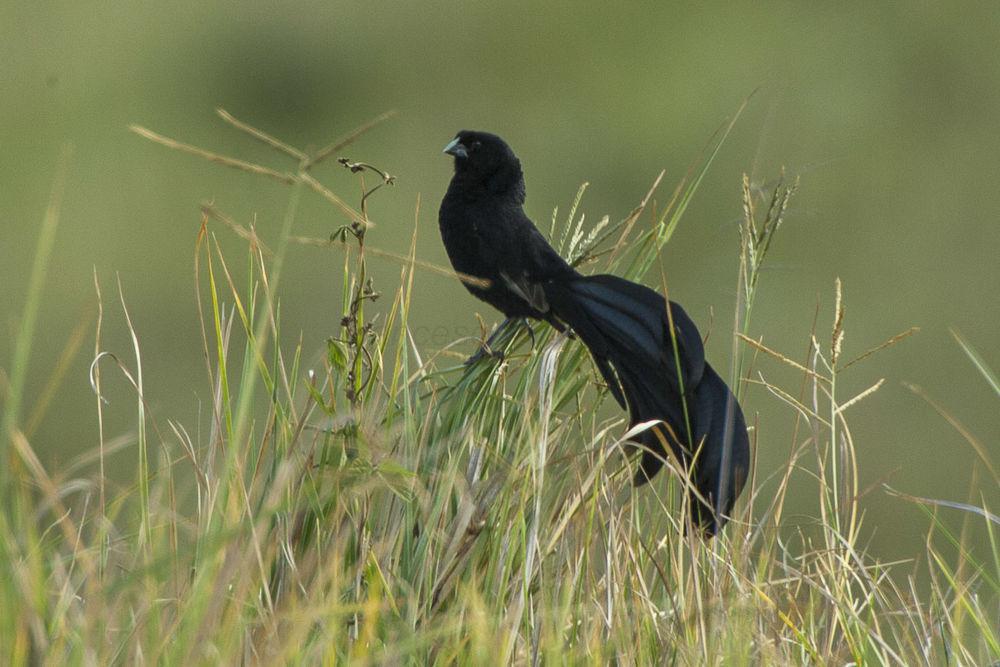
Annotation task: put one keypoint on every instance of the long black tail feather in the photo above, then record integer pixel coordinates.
(654, 364)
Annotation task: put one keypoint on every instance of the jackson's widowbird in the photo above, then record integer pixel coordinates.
(625, 326)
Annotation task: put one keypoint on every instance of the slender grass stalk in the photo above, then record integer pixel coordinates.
(26, 333)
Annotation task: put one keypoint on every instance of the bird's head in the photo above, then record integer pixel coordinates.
(485, 160)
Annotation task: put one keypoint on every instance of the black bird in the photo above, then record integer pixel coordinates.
(625, 326)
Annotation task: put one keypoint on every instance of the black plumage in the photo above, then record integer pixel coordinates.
(625, 326)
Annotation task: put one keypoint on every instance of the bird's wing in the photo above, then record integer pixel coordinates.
(526, 289)
(527, 258)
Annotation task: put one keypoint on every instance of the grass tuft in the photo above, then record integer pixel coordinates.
(365, 500)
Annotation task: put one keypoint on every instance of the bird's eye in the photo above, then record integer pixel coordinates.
(476, 144)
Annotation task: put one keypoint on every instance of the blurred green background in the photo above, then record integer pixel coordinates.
(887, 112)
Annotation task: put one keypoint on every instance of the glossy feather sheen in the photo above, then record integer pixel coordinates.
(624, 325)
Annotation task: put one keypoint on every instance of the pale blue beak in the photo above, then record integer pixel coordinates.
(456, 148)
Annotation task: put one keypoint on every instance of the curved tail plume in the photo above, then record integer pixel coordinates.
(654, 364)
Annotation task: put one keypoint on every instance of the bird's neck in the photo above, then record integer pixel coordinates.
(506, 183)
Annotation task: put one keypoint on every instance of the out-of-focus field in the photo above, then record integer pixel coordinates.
(888, 116)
